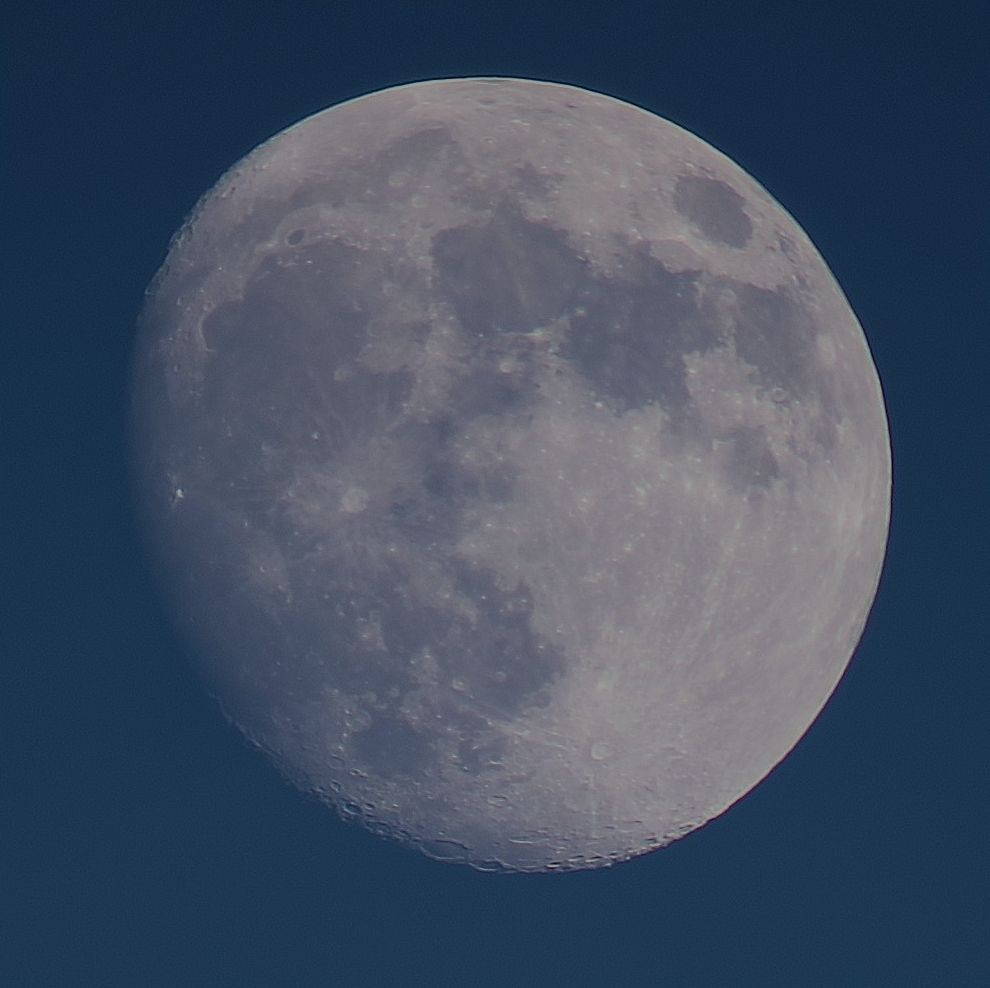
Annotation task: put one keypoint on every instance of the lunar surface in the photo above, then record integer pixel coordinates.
(515, 465)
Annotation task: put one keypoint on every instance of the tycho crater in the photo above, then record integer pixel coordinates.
(515, 466)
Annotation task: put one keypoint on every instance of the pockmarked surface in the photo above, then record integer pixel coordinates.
(516, 466)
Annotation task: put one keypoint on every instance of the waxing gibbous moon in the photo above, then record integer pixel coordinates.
(515, 465)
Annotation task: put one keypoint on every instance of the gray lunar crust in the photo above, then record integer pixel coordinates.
(516, 466)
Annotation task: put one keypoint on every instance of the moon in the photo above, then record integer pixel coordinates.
(515, 466)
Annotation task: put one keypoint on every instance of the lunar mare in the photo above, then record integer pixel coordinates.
(516, 466)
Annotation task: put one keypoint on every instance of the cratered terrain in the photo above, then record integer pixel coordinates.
(515, 465)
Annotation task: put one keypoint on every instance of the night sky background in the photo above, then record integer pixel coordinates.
(143, 843)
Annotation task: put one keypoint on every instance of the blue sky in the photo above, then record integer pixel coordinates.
(147, 845)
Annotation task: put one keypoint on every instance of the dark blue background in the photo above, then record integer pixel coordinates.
(146, 845)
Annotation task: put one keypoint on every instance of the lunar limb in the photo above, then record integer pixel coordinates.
(515, 465)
